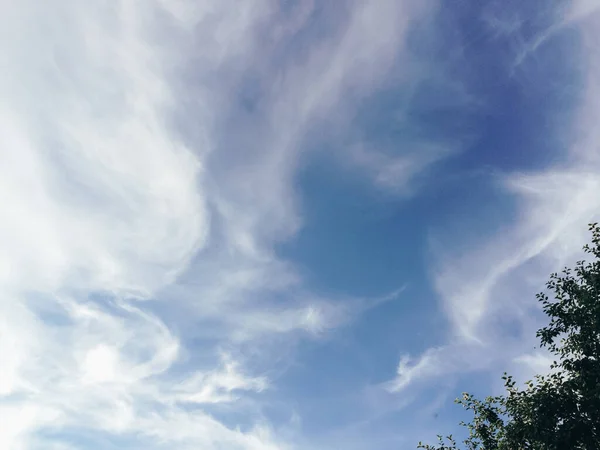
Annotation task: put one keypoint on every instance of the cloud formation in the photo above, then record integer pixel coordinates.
(487, 283)
(153, 164)
(148, 158)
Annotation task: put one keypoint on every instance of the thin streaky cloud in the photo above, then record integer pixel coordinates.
(196, 195)
(110, 207)
(490, 283)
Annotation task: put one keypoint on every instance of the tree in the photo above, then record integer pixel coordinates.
(561, 410)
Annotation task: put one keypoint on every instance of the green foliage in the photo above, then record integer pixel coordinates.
(561, 410)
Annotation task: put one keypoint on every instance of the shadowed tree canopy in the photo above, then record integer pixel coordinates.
(560, 410)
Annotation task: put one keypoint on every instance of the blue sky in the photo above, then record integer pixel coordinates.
(283, 225)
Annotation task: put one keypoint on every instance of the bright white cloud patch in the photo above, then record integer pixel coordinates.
(100, 364)
(116, 179)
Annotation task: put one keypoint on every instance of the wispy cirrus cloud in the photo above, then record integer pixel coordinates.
(148, 158)
(487, 283)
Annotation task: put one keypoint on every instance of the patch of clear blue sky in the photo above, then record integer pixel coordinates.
(363, 242)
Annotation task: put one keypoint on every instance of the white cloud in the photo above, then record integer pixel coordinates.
(536, 362)
(100, 364)
(108, 202)
(219, 385)
(487, 286)
(92, 181)
(408, 371)
(448, 361)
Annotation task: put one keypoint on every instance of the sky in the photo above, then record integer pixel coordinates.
(283, 224)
